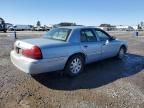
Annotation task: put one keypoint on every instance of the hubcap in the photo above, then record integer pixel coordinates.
(76, 66)
(121, 53)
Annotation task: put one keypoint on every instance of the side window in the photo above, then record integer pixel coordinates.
(87, 36)
(101, 35)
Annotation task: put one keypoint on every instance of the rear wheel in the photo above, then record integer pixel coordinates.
(75, 65)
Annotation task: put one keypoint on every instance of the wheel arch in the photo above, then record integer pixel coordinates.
(77, 53)
(124, 46)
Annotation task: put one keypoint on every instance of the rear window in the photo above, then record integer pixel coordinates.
(58, 34)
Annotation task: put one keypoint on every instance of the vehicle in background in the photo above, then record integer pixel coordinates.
(22, 28)
(41, 28)
(62, 24)
(2, 25)
(47, 28)
(68, 48)
(8, 25)
(28, 28)
(11, 28)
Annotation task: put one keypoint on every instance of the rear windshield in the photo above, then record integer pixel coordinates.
(58, 34)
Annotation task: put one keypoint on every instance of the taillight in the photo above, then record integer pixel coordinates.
(34, 52)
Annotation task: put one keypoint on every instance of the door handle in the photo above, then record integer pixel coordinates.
(85, 46)
(104, 44)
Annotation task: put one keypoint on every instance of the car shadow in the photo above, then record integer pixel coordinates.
(95, 75)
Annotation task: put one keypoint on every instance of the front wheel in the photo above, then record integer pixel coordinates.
(75, 65)
(121, 53)
(5, 31)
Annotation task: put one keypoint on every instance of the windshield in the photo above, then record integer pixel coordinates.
(58, 34)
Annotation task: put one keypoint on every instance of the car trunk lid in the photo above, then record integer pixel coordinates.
(41, 42)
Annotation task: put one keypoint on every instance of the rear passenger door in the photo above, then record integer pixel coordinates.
(90, 46)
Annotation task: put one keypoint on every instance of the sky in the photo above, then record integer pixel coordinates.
(83, 12)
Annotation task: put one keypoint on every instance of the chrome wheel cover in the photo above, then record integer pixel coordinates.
(76, 65)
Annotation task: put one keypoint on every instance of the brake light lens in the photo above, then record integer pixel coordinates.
(34, 52)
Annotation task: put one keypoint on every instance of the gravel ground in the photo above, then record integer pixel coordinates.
(106, 84)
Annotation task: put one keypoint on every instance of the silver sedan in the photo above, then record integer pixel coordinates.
(66, 48)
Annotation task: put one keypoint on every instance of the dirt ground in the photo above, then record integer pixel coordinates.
(109, 83)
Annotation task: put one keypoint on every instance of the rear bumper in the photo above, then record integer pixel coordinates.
(32, 66)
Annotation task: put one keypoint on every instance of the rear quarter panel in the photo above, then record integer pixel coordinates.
(62, 50)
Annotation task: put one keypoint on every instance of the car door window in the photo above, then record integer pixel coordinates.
(88, 36)
(101, 35)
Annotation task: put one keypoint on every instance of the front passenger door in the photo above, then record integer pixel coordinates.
(109, 46)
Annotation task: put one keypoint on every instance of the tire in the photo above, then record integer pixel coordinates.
(121, 53)
(75, 65)
(5, 31)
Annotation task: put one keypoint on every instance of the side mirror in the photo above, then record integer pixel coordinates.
(106, 42)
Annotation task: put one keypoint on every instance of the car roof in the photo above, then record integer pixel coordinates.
(78, 27)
